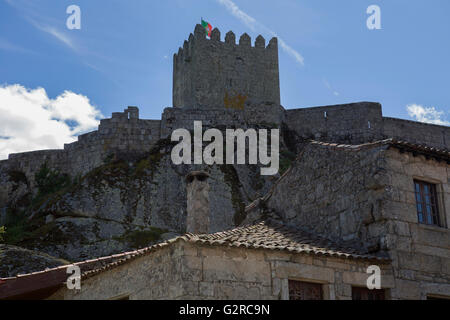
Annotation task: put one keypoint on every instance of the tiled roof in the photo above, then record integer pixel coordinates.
(46, 280)
(404, 146)
(274, 235)
(264, 235)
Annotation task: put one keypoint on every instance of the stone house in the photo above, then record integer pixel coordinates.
(387, 196)
(262, 261)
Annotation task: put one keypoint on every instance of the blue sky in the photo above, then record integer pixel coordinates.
(123, 53)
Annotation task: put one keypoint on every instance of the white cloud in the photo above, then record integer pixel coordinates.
(289, 50)
(254, 25)
(31, 12)
(328, 86)
(30, 120)
(238, 13)
(61, 36)
(427, 114)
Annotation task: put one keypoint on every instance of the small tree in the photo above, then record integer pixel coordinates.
(2, 232)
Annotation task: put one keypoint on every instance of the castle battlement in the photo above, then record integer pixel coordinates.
(230, 40)
(210, 73)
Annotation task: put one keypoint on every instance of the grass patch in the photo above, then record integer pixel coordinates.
(49, 181)
(16, 228)
(286, 159)
(2, 232)
(142, 238)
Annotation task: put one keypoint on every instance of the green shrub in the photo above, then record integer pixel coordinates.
(286, 159)
(49, 180)
(16, 228)
(2, 232)
(142, 238)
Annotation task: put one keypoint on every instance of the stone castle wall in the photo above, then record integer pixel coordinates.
(417, 132)
(361, 122)
(351, 123)
(123, 133)
(120, 134)
(208, 73)
(251, 116)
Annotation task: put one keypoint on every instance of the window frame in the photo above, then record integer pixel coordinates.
(368, 292)
(437, 297)
(125, 296)
(308, 284)
(428, 199)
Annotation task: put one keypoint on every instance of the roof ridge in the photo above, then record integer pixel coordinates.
(391, 141)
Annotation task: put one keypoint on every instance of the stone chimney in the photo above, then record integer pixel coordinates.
(197, 202)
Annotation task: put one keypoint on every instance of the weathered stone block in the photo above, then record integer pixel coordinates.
(291, 270)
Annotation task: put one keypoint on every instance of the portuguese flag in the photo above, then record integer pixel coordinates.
(207, 27)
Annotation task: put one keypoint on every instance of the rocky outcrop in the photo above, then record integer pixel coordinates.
(15, 260)
(126, 204)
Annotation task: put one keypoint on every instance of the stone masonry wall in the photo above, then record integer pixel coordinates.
(208, 73)
(154, 276)
(335, 192)
(189, 271)
(351, 123)
(118, 135)
(417, 132)
(122, 133)
(361, 122)
(252, 116)
(368, 196)
(241, 274)
(420, 253)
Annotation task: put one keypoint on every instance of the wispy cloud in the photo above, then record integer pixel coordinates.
(8, 46)
(30, 13)
(241, 15)
(59, 35)
(328, 86)
(254, 25)
(427, 114)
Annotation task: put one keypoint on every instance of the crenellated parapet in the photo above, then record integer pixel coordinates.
(211, 73)
(123, 133)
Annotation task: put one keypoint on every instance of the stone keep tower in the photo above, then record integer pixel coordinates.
(208, 73)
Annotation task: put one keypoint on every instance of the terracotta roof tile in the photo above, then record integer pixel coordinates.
(438, 153)
(265, 235)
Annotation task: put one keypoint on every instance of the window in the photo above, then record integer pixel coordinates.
(434, 297)
(121, 297)
(299, 290)
(367, 294)
(426, 202)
